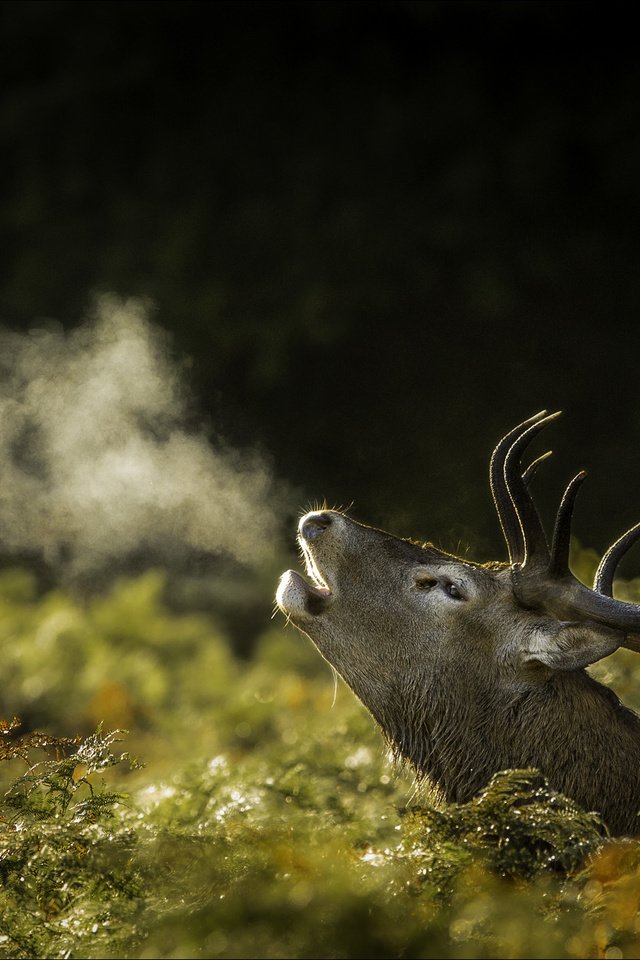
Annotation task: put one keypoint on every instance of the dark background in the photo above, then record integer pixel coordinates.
(384, 232)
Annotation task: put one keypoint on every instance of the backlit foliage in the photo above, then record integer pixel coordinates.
(267, 821)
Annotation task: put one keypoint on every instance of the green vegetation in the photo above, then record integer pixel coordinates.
(266, 820)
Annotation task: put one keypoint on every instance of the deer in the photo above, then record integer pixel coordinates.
(472, 668)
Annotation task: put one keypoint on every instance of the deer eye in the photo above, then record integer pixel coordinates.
(453, 591)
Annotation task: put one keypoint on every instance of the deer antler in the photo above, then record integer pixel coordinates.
(510, 522)
(603, 580)
(559, 561)
(542, 578)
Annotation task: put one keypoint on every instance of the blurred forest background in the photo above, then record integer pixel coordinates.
(381, 233)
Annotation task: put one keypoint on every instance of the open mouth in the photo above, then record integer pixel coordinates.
(296, 595)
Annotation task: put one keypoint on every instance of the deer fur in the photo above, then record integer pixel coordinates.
(464, 675)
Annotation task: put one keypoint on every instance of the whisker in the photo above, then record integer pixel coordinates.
(335, 686)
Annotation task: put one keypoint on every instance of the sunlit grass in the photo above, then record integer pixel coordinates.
(267, 821)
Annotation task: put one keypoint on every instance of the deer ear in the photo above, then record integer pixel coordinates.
(570, 646)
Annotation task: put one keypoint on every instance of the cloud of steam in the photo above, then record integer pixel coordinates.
(96, 462)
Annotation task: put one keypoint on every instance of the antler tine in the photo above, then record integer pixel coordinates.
(533, 535)
(559, 561)
(505, 507)
(603, 580)
(543, 581)
(532, 469)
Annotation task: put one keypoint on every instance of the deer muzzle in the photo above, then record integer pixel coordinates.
(318, 534)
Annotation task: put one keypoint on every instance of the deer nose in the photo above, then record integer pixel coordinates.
(313, 524)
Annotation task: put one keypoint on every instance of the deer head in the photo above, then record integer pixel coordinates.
(469, 668)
